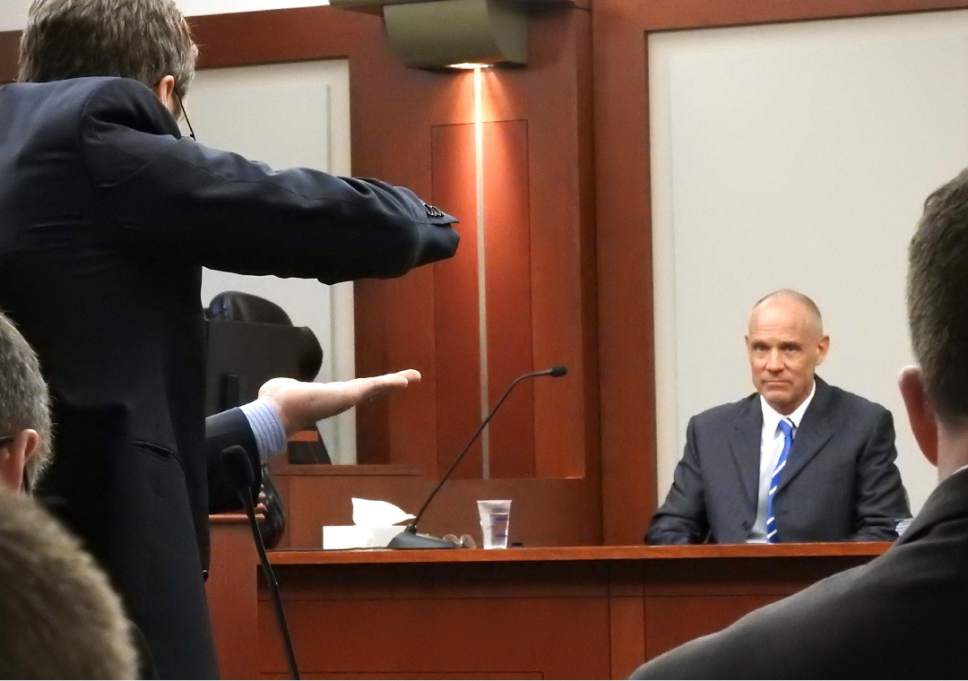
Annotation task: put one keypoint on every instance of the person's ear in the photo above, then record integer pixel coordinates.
(920, 412)
(164, 90)
(14, 456)
(822, 348)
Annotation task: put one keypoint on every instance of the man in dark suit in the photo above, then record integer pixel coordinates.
(87, 635)
(902, 615)
(799, 460)
(107, 216)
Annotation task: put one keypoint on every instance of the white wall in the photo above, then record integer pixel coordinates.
(13, 13)
(798, 156)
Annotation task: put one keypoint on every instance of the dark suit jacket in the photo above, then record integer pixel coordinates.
(901, 616)
(840, 482)
(107, 216)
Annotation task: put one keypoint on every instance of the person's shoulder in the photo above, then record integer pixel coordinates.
(113, 90)
(846, 401)
(726, 413)
(123, 102)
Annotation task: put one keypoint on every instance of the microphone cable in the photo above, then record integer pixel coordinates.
(239, 474)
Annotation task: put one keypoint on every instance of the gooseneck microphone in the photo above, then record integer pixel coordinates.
(239, 475)
(408, 538)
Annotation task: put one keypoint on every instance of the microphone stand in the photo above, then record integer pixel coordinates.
(409, 538)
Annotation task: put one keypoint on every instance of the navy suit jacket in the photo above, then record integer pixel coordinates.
(840, 482)
(901, 616)
(107, 216)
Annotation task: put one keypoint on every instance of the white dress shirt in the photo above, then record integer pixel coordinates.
(771, 446)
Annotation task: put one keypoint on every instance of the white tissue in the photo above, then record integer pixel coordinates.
(374, 513)
(375, 524)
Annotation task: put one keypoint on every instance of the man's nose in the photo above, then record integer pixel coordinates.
(773, 362)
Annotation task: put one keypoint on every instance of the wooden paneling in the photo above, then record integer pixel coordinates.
(456, 301)
(575, 612)
(233, 572)
(543, 512)
(508, 276)
(9, 48)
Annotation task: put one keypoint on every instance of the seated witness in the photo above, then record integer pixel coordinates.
(799, 460)
(901, 615)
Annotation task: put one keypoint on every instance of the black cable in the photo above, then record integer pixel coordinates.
(270, 576)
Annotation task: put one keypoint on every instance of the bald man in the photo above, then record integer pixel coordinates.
(797, 461)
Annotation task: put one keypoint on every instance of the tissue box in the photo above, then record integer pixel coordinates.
(358, 537)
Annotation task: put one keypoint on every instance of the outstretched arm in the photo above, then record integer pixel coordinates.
(300, 404)
(284, 406)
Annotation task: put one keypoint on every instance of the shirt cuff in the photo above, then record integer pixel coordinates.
(270, 436)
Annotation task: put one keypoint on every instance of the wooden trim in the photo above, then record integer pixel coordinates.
(620, 31)
(673, 15)
(581, 553)
(340, 470)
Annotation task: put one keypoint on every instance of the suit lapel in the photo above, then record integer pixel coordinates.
(744, 444)
(812, 434)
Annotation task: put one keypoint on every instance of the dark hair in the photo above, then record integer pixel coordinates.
(937, 298)
(140, 39)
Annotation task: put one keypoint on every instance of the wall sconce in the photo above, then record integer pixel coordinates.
(444, 33)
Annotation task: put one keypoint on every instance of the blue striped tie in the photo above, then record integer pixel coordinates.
(786, 425)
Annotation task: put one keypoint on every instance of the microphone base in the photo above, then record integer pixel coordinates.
(412, 540)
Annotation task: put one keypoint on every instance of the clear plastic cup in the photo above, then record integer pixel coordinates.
(495, 522)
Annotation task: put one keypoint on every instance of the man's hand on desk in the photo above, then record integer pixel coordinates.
(300, 404)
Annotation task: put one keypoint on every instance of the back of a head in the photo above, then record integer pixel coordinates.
(61, 620)
(24, 401)
(140, 39)
(936, 297)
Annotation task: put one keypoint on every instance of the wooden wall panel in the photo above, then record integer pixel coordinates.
(543, 512)
(523, 616)
(456, 301)
(508, 276)
(232, 575)
(581, 612)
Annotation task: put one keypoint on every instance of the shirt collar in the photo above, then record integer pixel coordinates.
(772, 418)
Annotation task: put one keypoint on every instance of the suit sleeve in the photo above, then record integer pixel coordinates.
(682, 518)
(169, 197)
(222, 431)
(880, 497)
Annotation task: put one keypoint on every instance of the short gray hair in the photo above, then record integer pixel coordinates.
(61, 619)
(24, 400)
(140, 39)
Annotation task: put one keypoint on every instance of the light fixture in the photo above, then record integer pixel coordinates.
(453, 33)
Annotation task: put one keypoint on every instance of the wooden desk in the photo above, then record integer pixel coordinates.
(555, 612)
